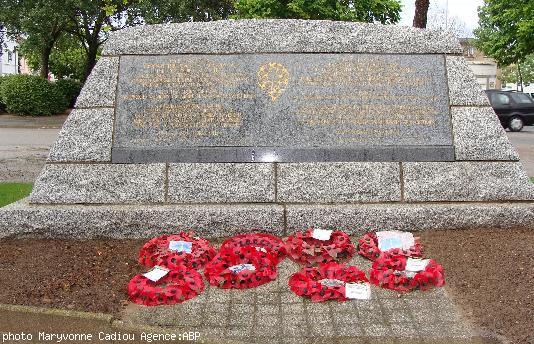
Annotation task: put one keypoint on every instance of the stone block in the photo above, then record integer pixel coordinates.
(221, 183)
(478, 135)
(85, 136)
(99, 184)
(99, 89)
(22, 219)
(466, 181)
(362, 218)
(463, 87)
(338, 182)
(270, 36)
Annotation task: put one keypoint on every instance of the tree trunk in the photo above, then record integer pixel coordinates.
(520, 76)
(45, 58)
(91, 59)
(421, 13)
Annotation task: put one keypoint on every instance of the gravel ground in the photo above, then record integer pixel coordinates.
(489, 275)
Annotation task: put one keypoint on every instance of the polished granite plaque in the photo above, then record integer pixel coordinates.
(282, 107)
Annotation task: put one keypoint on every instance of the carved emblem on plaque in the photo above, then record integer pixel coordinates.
(273, 79)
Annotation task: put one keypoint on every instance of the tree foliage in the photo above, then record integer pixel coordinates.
(67, 58)
(519, 73)
(506, 30)
(383, 11)
(2, 38)
(171, 11)
(40, 22)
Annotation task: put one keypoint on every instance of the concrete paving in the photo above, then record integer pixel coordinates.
(523, 142)
(273, 314)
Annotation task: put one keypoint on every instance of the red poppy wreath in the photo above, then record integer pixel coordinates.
(368, 248)
(261, 241)
(175, 250)
(240, 268)
(307, 250)
(177, 286)
(325, 282)
(390, 271)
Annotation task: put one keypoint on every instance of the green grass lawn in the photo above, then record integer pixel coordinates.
(12, 192)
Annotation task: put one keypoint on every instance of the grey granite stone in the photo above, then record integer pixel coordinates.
(100, 183)
(362, 218)
(85, 136)
(221, 183)
(22, 219)
(466, 181)
(338, 182)
(100, 88)
(193, 108)
(463, 87)
(270, 36)
(478, 135)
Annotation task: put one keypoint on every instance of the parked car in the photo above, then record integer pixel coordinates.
(514, 109)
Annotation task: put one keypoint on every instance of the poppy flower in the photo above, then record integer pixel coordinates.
(325, 282)
(260, 241)
(241, 268)
(368, 248)
(388, 271)
(157, 251)
(304, 249)
(180, 284)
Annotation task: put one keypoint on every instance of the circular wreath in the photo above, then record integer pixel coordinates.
(306, 250)
(157, 252)
(179, 285)
(219, 272)
(325, 282)
(368, 248)
(261, 241)
(388, 272)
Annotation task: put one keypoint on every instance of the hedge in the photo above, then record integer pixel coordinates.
(31, 95)
(70, 88)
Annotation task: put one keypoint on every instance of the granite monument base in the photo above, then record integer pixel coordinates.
(422, 149)
(125, 221)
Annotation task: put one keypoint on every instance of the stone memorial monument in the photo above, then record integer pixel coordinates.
(276, 125)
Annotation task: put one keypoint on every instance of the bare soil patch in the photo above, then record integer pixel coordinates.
(490, 274)
(81, 275)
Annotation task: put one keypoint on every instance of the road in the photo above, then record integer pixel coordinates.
(24, 145)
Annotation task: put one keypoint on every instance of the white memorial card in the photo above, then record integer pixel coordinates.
(415, 265)
(156, 273)
(321, 234)
(410, 274)
(181, 246)
(358, 291)
(388, 240)
(329, 282)
(241, 267)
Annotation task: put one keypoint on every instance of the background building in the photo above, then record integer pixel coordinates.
(10, 58)
(485, 68)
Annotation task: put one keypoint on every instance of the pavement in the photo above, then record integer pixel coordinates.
(272, 313)
(24, 145)
(267, 314)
